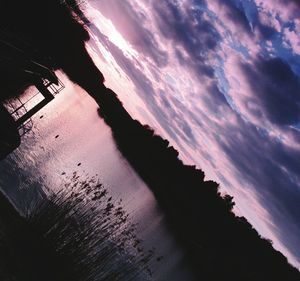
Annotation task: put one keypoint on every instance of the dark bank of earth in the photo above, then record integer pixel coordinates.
(10, 138)
(220, 245)
(24, 255)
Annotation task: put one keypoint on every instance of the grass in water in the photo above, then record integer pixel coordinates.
(91, 233)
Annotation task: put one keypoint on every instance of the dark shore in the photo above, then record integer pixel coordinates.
(220, 245)
(24, 255)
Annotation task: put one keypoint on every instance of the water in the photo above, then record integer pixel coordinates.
(69, 136)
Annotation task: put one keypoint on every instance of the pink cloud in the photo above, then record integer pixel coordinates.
(269, 20)
(227, 23)
(292, 37)
(284, 9)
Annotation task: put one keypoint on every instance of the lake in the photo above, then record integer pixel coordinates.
(69, 136)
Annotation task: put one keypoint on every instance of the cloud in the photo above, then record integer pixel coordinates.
(190, 29)
(291, 37)
(273, 170)
(285, 10)
(275, 91)
(234, 13)
(131, 23)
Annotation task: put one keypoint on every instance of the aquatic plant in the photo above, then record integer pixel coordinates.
(91, 233)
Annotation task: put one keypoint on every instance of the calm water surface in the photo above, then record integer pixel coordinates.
(68, 136)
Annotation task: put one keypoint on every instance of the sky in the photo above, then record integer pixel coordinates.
(220, 79)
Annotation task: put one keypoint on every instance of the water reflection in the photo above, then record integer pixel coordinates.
(92, 233)
(68, 136)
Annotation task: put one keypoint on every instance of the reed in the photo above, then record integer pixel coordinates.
(91, 233)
